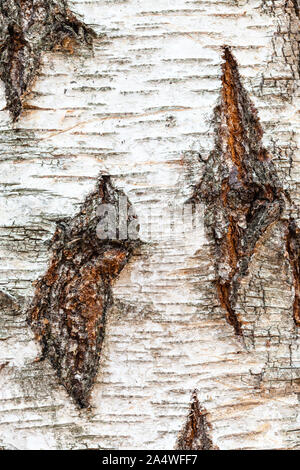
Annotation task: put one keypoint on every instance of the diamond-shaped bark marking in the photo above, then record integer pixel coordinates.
(195, 435)
(68, 312)
(27, 28)
(240, 188)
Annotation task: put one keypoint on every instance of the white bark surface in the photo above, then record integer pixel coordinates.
(140, 108)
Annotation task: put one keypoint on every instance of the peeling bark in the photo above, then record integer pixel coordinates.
(28, 27)
(195, 435)
(240, 187)
(68, 313)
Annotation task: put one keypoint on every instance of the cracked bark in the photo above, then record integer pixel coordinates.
(29, 27)
(195, 435)
(68, 312)
(240, 187)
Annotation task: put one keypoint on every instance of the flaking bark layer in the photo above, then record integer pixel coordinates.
(240, 188)
(195, 435)
(28, 27)
(69, 309)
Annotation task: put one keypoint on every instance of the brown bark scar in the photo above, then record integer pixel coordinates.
(195, 435)
(69, 309)
(240, 188)
(28, 27)
(293, 250)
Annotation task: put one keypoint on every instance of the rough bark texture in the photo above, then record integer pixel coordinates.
(142, 110)
(68, 313)
(29, 27)
(293, 249)
(195, 435)
(240, 187)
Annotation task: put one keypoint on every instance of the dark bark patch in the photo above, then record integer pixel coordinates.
(195, 435)
(293, 249)
(240, 188)
(68, 312)
(296, 7)
(28, 27)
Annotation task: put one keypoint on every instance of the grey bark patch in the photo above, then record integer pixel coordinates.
(28, 27)
(10, 305)
(68, 312)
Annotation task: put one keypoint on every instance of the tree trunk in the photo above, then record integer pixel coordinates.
(191, 108)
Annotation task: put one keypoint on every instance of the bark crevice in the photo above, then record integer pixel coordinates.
(240, 188)
(196, 433)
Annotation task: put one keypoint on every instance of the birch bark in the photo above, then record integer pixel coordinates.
(140, 109)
